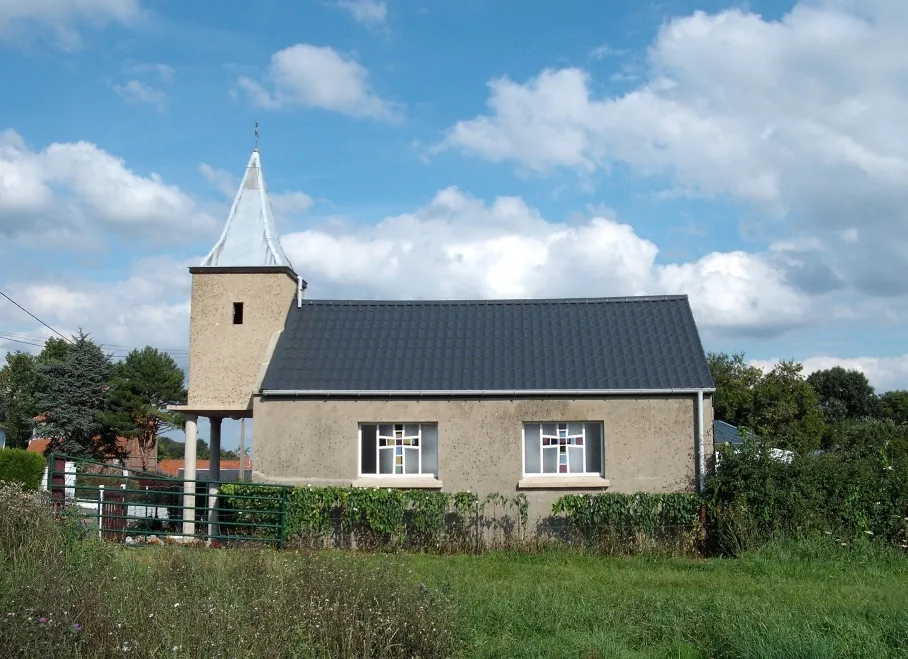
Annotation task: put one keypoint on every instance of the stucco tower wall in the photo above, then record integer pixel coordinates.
(225, 360)
(650, 442)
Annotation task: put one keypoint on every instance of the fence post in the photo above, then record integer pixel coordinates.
(100, 512)
(50, 475)
(213, 490)
(283, 528)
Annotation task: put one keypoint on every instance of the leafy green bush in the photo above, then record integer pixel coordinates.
(856, 490)
(621, 523)
(20, 466)
(372, 518)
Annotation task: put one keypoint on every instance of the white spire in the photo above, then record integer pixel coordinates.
(249, 238)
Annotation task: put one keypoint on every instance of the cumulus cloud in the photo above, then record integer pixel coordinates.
(78, 187)
(458, 246)
(150, 306)
(369, 13)
(136, 91)
(319, 77)
(884, 373)
(801, 117)
(19, 20)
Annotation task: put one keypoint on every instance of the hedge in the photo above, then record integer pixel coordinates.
(624, 523)
(374, 518)
(379, 517)
(20, 466)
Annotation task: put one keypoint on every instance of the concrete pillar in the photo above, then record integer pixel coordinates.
(242, 449)
(192, 433)
(214, 475)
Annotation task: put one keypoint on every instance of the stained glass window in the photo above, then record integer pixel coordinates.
(398, 449)
(563, 448)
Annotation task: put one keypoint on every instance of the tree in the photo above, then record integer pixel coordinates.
(75, 401)
(787, 409)
(21, 386)
(18, 398)
(143, 385)
(169, 448)
(844, 394)
(735, 382)
(894, 406)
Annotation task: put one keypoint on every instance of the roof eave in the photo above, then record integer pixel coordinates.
(446, 393)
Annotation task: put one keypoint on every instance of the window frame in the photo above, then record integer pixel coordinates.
(557, 474)
(403, 475)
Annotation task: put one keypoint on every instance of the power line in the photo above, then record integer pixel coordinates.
(28, 343)
(117, 347)
(35, 317)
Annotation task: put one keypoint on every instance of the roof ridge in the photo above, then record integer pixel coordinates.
(498, 301)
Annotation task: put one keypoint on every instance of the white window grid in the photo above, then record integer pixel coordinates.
(558, 443)
(393, 438)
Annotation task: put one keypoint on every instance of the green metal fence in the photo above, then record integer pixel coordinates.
(130, 503)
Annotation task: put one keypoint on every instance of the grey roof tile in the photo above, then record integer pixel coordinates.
(571, 344)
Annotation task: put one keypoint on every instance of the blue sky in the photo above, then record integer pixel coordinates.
(752, 155)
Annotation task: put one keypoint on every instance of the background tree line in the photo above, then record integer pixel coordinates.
(84, 400)
(797, 412)
(848, 479)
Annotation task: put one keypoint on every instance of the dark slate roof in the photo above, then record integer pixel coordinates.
(725, 433)
(634, 343)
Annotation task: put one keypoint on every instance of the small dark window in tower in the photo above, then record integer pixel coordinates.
(237, 313)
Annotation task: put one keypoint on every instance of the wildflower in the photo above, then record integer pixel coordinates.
(42, 620)
(77, 627)
(177, 605)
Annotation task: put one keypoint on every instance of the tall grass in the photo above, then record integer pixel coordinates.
(788, 600)
(64, 594)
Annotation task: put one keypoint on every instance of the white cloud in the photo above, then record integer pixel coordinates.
(884, 373)
(366, 12)
(290, 203)
(801, 117)
(319, 77)
(165, 72)
(79, 187)
(604, 50)
(136, 91)
(459, 247)
(150, 306)
(223, 180)
(62, 17)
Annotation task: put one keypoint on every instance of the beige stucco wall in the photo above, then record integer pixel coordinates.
(649, 441)
(225, 360)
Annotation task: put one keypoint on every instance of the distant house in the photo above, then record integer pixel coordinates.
(725, 433)
(230, 469)
(542, 396)
(130, 449)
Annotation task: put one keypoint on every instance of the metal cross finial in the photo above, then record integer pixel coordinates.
(256, 136)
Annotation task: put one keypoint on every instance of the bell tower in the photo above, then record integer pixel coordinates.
(241, 294)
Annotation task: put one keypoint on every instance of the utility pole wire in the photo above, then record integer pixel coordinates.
(35, 317)
(28, 343)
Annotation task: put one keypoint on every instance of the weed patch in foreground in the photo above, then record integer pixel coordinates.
(63, 594)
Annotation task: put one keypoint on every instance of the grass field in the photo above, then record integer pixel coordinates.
(68, 596)
(789, 601)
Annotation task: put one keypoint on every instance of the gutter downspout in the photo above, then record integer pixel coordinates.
(701, 453)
